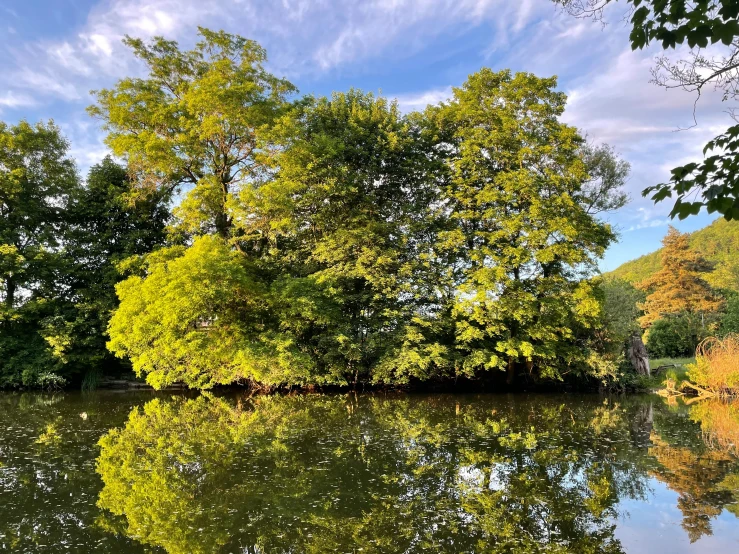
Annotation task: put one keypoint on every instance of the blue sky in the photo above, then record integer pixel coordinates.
(53, 52)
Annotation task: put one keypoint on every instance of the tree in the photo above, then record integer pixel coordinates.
(607, 175)
(352, 224)
(104, 228)
(715, 180)
(37, 178)
(619, 332)
(347, 226)
(523, 231)
(730, 318)
(675, 336)
(195, 121)
(620, 311)
(679, 286)
(199, 315)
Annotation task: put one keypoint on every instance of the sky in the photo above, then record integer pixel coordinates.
(54, 52)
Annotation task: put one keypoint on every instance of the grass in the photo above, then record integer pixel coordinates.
(91, 380)
(677, 373)
(655, 363)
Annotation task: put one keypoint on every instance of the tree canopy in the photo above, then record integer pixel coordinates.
(60, 242)
(262, 238)
(679, 286)
(196, 121)
(37, 179)
(372, 245)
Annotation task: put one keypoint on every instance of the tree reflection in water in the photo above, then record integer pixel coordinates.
(396, 474)
(704, 472)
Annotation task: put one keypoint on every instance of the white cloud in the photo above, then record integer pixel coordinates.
(44, 83)
(649, 224)
(13, 100)
(418, 101)
(303, 37)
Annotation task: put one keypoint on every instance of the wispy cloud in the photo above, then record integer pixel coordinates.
(650, 224)
(302, 37)
(418, 101)
(14, 100)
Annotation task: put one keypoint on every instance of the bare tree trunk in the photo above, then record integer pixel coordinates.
(638, 354)
(9, 293)
(511, 371)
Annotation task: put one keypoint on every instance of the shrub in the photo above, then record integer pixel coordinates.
(675, 337)
(716, 369)
(49, 380)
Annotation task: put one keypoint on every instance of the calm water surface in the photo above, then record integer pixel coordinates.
(144, 472)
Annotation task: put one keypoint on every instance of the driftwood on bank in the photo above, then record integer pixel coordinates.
(637, 353)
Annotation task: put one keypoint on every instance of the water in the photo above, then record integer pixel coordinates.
(145, 472)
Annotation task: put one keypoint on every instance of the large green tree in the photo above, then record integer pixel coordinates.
(194, 122)
(104, 227)
(523, 229)
(37, 179)
(350, 224)
(198, 315)
(346, 241)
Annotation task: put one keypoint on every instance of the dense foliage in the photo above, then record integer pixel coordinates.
(59, 243)
(730, 318)
(718, 244)
(312, 241)
(676, 336)
(678, 287)
(692, 283)
(347, 242)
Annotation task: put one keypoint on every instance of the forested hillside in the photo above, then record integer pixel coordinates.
(718, 243)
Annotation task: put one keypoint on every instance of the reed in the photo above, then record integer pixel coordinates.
(719, 420)
(716, 369)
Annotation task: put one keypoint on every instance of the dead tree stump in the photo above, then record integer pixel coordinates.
(638, 354)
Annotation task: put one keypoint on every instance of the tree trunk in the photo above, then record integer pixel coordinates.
(638, 355)
(222, 220)
(511, 371)
(9, 293)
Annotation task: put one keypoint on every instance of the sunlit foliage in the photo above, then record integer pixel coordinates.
(716, 369)
(391, 475)
(679, 287)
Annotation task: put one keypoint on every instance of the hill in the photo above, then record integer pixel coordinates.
(718, 243)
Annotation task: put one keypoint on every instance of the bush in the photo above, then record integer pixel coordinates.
(49, 380)
(716, 369)
(675, 337)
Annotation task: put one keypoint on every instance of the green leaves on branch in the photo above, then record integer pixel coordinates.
(680, 21)
(196, 121)
(199, 316)
(713, 183)
(715, 180)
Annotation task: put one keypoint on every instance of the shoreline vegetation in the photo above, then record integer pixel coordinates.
(714, 374)
(261, 238)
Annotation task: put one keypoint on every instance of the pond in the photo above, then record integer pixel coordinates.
(151, 472)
